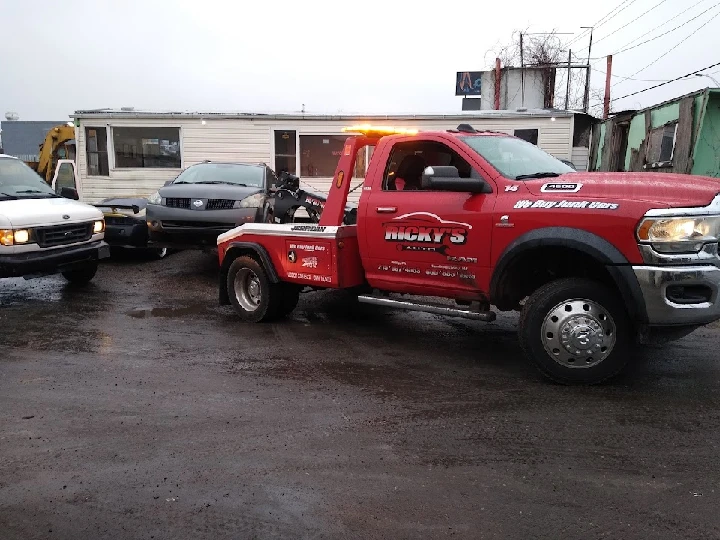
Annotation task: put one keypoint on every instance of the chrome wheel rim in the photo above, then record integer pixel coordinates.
(247, 289)
(162, 252)
(578, 333)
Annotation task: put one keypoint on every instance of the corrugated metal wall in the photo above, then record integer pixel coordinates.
(251, 140)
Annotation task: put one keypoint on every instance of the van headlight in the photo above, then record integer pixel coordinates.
(685, 234)
(155, 198)
(99, 226)
(253, 201)
(10, 237)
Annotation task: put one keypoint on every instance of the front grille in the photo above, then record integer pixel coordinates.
(198, 225)
(220, 204)
(60, 235)
(173, 202)
(117, 220)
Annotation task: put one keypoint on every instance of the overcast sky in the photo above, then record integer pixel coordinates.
(376, 56)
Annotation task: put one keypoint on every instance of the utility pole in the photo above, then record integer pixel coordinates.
(586, 97)
(606, 104)
(569, 70)
(497, 84)
(522, 72)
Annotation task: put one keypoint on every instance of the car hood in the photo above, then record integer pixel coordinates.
(208, 191)
(106, 205)
(40, 212)
(664, 190)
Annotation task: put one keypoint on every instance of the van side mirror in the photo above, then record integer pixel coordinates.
(447, 178)
(70, 193)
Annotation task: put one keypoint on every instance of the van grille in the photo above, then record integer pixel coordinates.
(220, 204)
(61, 235)
(174, 202)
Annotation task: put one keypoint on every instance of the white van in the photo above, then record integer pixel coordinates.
(42, 232)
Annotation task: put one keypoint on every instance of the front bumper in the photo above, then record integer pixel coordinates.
(126, 233)
(680, 295)
(180, 227)
(52, 261)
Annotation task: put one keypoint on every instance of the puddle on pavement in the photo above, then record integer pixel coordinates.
(168, 312)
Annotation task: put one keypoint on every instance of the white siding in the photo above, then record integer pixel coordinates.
(251, 140)
(580, 156)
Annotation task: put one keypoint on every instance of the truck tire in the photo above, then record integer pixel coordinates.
(576, 331)
(251, 293)
(290, 295)
(82, 274)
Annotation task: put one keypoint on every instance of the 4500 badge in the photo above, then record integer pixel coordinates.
(423, 231)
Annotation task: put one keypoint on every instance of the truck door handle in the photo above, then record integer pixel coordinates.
(386, 209)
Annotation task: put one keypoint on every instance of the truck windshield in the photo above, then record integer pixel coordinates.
(18, 181)
(515, 158)
(223, 173)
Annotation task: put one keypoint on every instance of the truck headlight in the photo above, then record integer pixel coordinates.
(99, 226)
(253, 201)
(679, 234)
(155, 198)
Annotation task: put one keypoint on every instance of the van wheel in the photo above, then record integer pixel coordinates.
(251, 293)
(82, 274)
(576, 331)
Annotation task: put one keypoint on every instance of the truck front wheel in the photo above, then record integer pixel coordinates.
(82, 274)
(251, 293)
(576, 331)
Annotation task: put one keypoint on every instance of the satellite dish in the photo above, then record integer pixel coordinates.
(11, 116)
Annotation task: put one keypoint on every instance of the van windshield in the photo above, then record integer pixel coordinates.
(517, 159)
(18, 181)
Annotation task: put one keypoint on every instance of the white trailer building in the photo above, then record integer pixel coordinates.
(123, 153)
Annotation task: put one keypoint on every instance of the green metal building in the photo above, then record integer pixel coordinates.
(681, 136)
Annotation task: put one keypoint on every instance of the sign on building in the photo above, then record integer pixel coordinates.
(467, 83)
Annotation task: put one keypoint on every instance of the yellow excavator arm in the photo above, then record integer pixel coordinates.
(54, 139)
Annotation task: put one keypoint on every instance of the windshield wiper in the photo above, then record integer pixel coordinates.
(547, 174)
(221, 182)
(8, 196)
(38, 191)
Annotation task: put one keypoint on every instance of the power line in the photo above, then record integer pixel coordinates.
(601, 58)
(603, 20)
(629, 78)
(665, 23)
(669, 31)
(676, 46)
(666, 82)
(632, 21)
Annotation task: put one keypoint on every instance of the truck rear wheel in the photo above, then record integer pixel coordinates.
(576, 331)
(252, 294)
(82, 274)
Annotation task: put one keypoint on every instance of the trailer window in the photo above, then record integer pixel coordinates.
(147, 147)
(285, 151)
(319, 154)
(97, 154)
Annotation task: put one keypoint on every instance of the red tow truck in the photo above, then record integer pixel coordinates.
(467, 220)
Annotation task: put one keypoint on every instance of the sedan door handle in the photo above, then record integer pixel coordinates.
(386, 209)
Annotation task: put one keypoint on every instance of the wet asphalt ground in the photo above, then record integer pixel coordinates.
(139, 408)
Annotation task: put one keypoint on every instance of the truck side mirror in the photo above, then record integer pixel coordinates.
(447, 178)
(70, 193)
